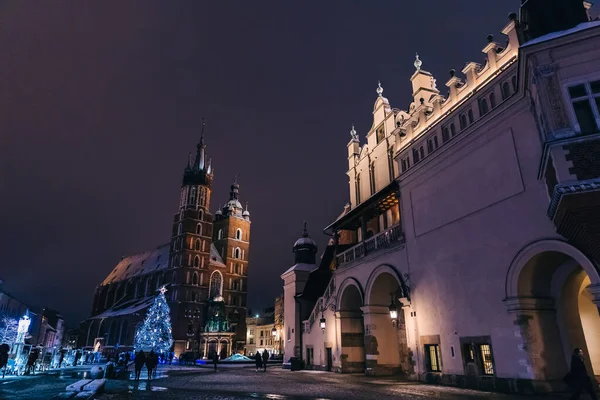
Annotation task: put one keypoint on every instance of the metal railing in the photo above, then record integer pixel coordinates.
(391, 236)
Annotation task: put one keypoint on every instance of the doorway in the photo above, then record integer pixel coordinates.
(329, 358)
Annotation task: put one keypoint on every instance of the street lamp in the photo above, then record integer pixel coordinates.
(393, 312)
(322, 322)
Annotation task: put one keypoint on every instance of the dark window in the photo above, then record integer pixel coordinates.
(463, 121)
(468, 353)
(198, 244)
(380, 134)
(505, 91)
(435, 142)
(483, 107)
(445, 135)
(422, 152)
(452, 130)
(470, 114)
(432, 356)
(403, 163)
(198, 229)
(493, 100)
(585, 99)
(415, 156)
(429, 146)
(514, 83)
(196, 262)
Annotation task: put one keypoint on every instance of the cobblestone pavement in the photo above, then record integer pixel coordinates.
(243, 383)
(174, 383)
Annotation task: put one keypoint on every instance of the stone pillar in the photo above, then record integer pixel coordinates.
(542, 357)
(205, 355)
(352, 351)
(381, 342)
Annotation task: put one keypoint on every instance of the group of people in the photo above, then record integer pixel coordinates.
(141, 359)
(261, 360)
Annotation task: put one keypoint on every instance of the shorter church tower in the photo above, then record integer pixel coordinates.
(231, 237)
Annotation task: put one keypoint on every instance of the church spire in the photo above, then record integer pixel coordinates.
(200, 152)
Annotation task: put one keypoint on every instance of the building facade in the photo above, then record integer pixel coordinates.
(469, 251)
(204, 267)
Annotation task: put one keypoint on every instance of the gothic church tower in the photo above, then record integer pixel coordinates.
(231, 237)
(191, 240)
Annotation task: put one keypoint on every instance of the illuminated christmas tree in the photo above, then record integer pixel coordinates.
(155, 332)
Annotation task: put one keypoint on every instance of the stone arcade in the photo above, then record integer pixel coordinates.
(474, 216)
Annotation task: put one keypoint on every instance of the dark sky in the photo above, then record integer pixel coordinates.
(100, 103)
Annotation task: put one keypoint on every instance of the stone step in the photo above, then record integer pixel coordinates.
(78, 386)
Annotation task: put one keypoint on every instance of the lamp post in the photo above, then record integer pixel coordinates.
(322, 322)
(393, 312)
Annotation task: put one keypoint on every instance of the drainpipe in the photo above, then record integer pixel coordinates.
(301, 324)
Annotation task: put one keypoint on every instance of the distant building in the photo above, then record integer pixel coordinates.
(260, 335)
(205, 268)
(469, 251)
(9, 305)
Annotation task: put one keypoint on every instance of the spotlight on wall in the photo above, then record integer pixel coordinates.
(322, 322)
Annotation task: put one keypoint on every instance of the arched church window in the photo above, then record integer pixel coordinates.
(195, 278)
(483, 107)
(237, 253)
(514, 83)
(463, 121)
(203, 197)
(200, 215)
(179, 229)
(193, 195)
(197, 244)
(470, 114)
(493, 100)
(238, 234)
(196, 262)
(199, 229)
(216, 284)
(237, 268)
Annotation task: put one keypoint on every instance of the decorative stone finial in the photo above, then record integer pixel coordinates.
(379, 89)
(353, 133)
(418, 63)
(304, 231)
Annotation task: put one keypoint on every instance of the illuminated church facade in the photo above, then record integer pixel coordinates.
(204, 267)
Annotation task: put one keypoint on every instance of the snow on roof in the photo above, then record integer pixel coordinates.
(556, 35)
(150, 261)
(127, 308)
(301, 267)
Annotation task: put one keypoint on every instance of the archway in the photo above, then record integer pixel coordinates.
(351, 328)
(212, 348)
(552, 289)
(224, 353)
(386, 344)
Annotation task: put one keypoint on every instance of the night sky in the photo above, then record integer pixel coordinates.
(101, 102)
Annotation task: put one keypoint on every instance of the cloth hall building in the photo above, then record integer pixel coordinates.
(204, 267)
(469, 252)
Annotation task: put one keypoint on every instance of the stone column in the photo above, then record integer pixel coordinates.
(352, 351)
(381, 342)
(542, 357)
(205, 355)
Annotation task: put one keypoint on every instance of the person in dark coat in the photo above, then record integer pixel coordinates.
(265, 358)
(151, 362)
(215, 359)
(61, 359)
(578, 378)
(77, 357)
(258, 359)
(140, 360)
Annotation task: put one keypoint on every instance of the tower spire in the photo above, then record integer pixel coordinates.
(304, 231)
(200, 156)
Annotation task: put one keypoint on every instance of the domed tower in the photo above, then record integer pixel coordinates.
(190, 244)
(294, 281)
(305, 249)
(231, 237)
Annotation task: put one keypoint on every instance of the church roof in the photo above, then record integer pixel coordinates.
(150, 261)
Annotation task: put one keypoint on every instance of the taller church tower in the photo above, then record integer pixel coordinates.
(189, 256)
(231, 237)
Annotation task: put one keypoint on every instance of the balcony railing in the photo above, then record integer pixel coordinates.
(390, 237)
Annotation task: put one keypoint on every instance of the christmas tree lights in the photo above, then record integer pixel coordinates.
(155, 332)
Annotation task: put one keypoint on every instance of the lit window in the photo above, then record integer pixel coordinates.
(486, 358)
(585, 100)
(432, 354)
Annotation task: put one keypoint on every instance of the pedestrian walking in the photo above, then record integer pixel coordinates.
(77, 357)
(151, 362)
(4, 349)
(265, 358)
(215, 360)
(578, 378)
(258, 360)
(61, 359)
(140, 360)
